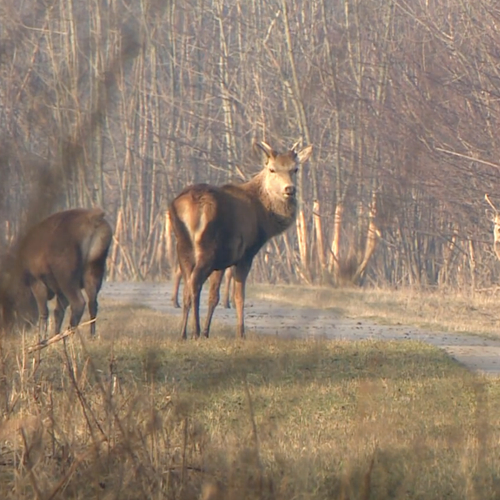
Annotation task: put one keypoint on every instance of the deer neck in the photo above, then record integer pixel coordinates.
(278, 213)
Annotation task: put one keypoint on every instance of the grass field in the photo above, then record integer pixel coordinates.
(139, 414)
(443, 310)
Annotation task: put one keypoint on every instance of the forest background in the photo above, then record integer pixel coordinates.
(122, 103)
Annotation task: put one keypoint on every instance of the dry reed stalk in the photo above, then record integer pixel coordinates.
(56, 338)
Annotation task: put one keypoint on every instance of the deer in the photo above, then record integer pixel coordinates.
(227, 299)
(226, 226)
(60, 256)
(494, 216)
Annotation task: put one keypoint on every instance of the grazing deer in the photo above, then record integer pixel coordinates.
(494, 216)
(228, 287)
(221, 227)
(62, 255)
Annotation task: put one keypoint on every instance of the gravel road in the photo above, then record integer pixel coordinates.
(477, 353)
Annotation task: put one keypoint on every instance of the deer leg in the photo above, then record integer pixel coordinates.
(186, 307)
(186, 266)
(198, 277)
(41, 293)
(230, 284)
(59, 311)
(215, 281)
(77, 304)
(92, 282)
(241, 271)
(74, 296)
(227, 288)
(177, 283)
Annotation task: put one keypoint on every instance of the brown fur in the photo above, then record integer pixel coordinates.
(62, 255)
(221, 227)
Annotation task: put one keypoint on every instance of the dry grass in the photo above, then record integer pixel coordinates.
(139, 414)
(443, 310)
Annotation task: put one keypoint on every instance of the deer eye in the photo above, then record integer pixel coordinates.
(272, 170)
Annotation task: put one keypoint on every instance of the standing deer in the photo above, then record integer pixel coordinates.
(494, 216)
(220, 227)
(62, 255)
(228, 287)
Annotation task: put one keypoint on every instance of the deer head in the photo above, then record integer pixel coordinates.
(280, 171)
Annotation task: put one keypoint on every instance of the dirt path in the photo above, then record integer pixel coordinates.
(475, 352)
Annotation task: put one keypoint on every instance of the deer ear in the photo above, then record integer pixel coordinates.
(304, 154)
(266, 148)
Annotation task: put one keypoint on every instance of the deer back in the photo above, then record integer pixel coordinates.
(66, 242)
(237, 219)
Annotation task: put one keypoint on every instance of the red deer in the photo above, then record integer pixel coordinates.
(228, 287)
(62, 255)
(221, 227)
